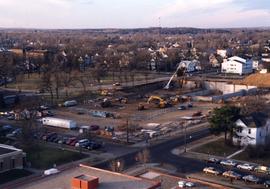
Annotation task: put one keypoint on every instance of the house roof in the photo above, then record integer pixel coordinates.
(255, 120)
(238, 59)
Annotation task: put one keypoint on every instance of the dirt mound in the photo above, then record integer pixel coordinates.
(259, 80)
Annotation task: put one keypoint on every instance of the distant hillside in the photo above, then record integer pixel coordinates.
(153, 30)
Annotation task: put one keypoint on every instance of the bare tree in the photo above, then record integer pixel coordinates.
(144, 156)
(117, 165)
(47, 84)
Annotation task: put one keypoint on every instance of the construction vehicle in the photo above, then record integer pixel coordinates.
(175, 100)
(105, 92)
(156, 100)
(106, 103)
(141, 106)
(159, 102)
(179, 68)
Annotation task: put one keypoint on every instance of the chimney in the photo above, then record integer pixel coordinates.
(84, 182)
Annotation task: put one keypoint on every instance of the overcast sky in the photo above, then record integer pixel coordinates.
(133, 13)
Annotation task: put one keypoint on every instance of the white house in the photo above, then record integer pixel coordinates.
(255, 65)
(252, 130)
(190, 66)
(222, 53)
(237, 65)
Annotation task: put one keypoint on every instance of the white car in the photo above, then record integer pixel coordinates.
(228, 163)
(51, 171)
(251, 178)
(183, 184)
(245, 166)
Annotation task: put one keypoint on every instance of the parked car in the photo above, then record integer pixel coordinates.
(262, 169)
(15, 133)
(190, 184)
(190, 105)
(63, 140)
(228, 162)
(49, 136)
(213, 160)
(232, 174)
(11, 117)
(70, 103)
(6, 128)
(82, 142)
(70, 140)
(251, 178)
(211, 170)
(116, 84)
(245, 166)
(52, 138)
(182, 107)
(43, 107)
(73, 143)
(51, 171)
(93, 146)
(184, 184)
(267, 183)
(94, 127)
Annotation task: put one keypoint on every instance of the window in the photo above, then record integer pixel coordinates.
(249, 131)
(12, 163)
(1, 165)
(239, 129)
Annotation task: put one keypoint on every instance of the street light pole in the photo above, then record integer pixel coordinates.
(127, 132)
(185, 125)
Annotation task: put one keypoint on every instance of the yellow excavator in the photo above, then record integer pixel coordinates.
(158, 101)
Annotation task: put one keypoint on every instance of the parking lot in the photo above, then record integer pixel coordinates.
(234, 173)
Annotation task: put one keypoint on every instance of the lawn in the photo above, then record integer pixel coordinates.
(13, 175)
(265, 160)
(32, 83)
(217, 148)
(42, 157)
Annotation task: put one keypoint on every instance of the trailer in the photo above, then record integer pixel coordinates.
(60, 123)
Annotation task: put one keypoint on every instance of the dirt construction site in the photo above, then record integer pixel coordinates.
(143, 115)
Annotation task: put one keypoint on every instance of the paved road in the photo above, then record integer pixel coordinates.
(161, 153)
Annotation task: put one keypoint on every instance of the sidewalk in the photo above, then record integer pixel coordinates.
(170, 136)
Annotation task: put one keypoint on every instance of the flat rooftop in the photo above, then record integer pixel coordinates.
(5, 149)
(107, 180)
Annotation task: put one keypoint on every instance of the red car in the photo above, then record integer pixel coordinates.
(70, 140)
(73, 142)
(94, 127)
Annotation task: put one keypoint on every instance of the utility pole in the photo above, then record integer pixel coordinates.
(185, 130)
(127, 132)
(159, 26)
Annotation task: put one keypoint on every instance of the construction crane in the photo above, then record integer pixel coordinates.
(174, 74)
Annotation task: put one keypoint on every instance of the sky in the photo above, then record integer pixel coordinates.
(65, 14)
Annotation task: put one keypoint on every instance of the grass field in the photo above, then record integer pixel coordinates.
(43, 157)
(265, 160)
(13, 175)
(217, 148)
